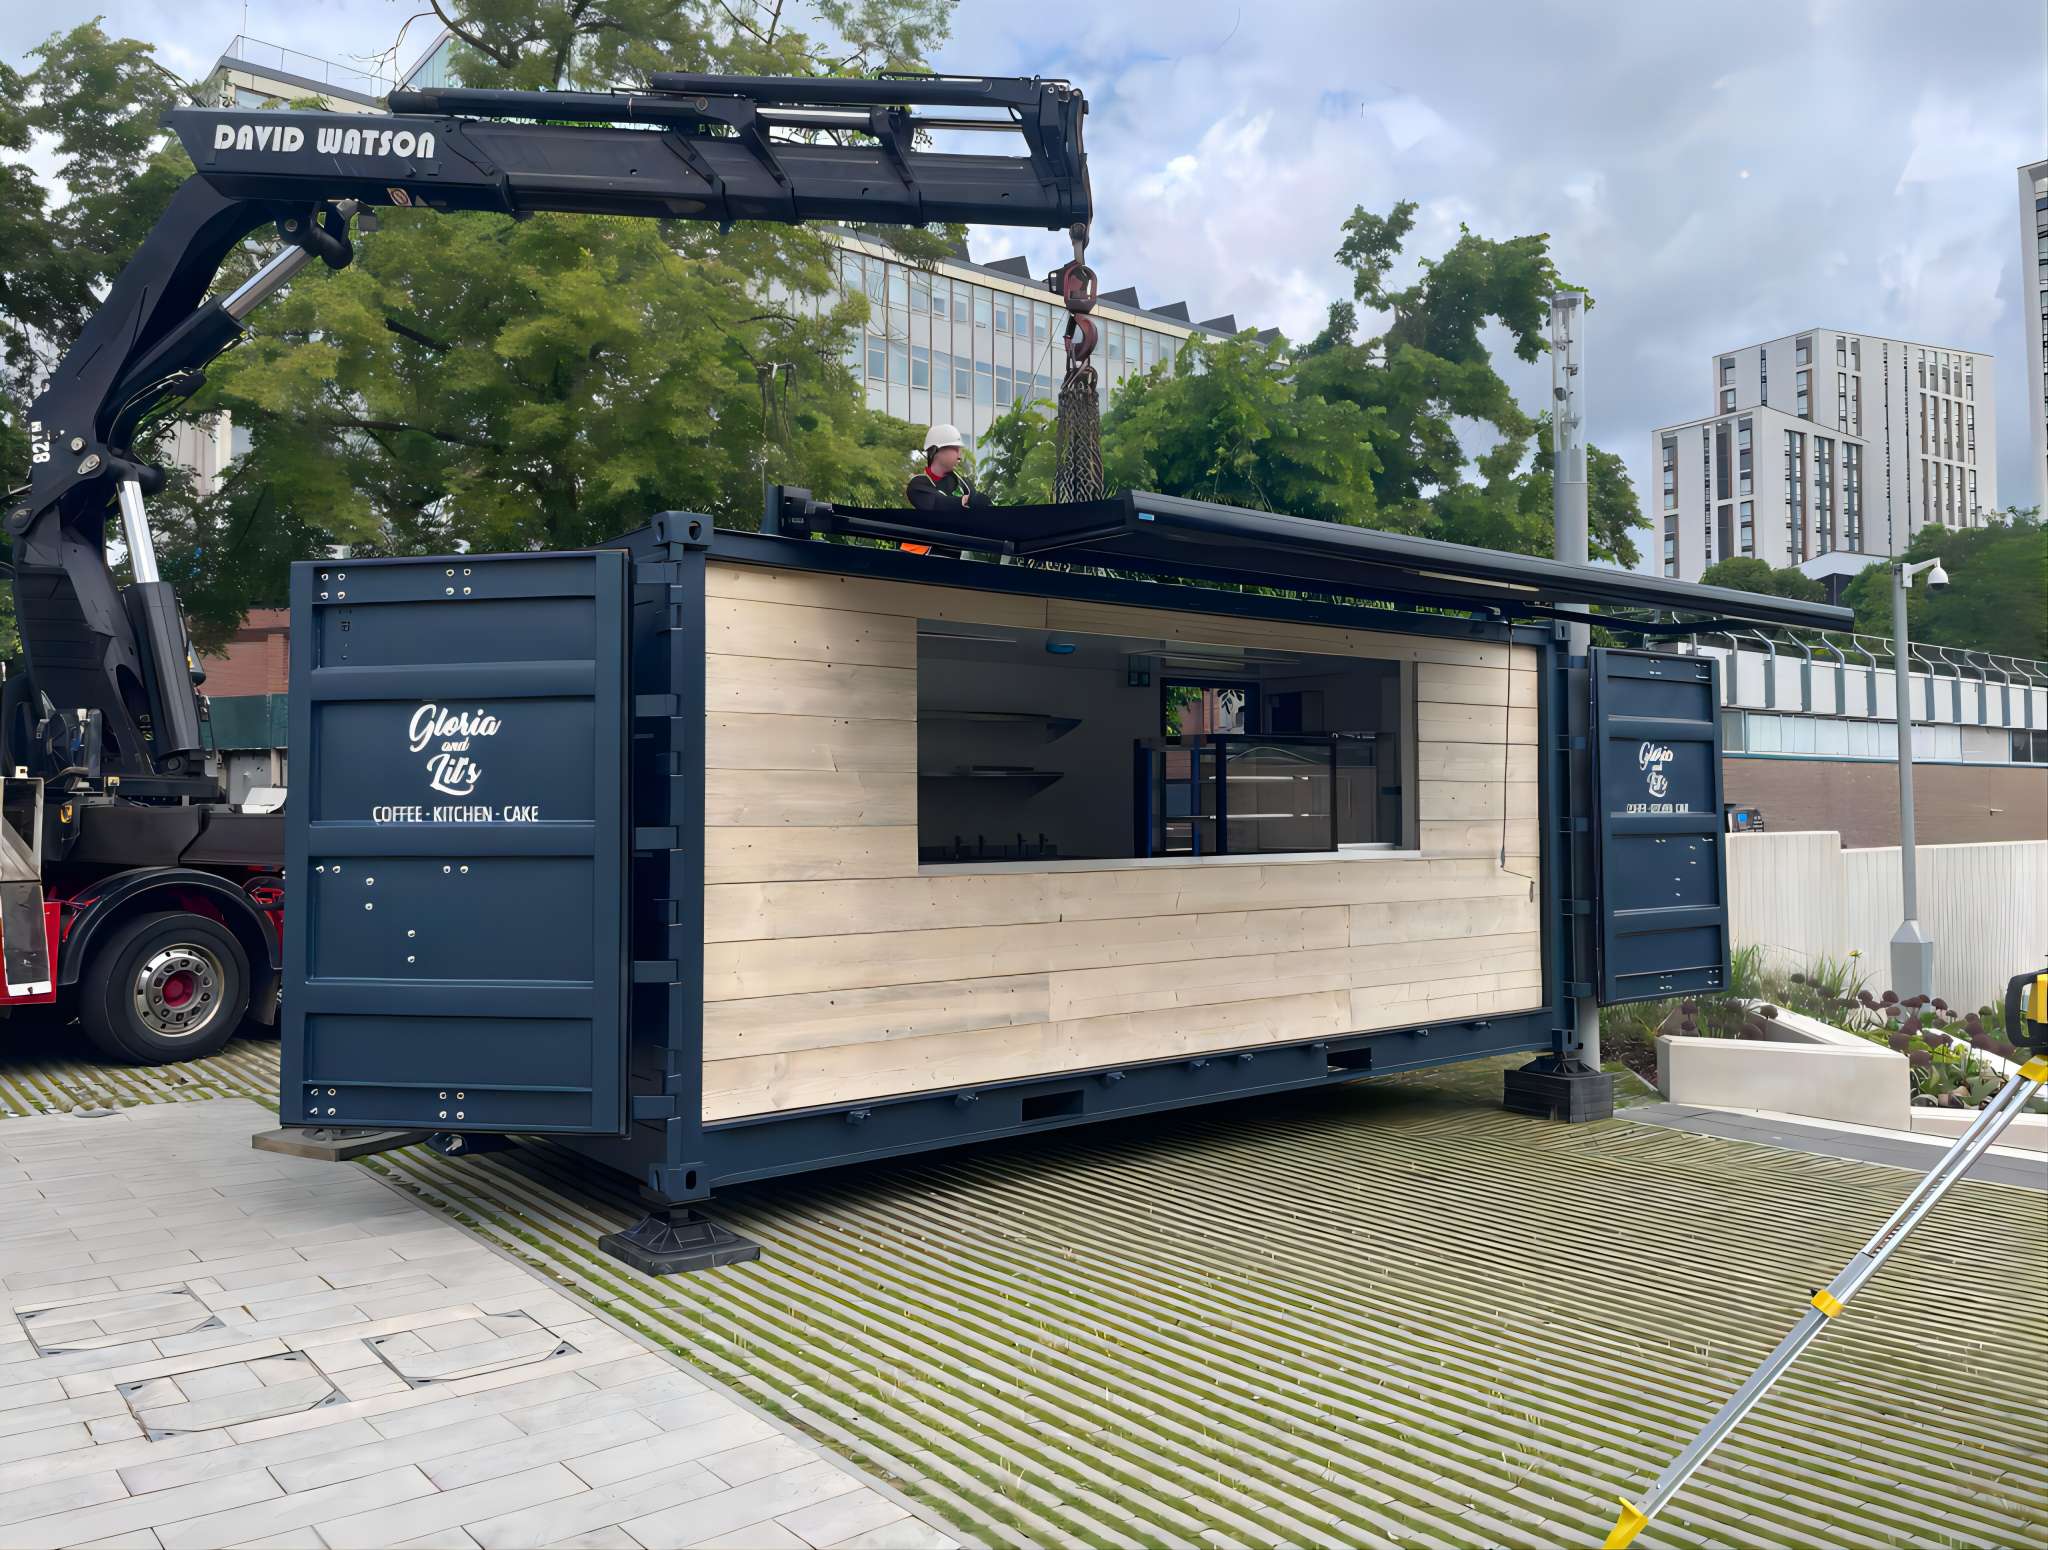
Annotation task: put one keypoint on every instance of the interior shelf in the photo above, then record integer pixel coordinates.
(1054, 727)
(1034, 777)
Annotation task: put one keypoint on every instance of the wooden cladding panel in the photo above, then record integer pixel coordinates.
(739, 741)
(813, 799)
(835, 970)
(789, 854)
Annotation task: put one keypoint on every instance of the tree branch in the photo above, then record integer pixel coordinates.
(497, 56)
(452, 438)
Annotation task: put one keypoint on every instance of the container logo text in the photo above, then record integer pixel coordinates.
(452, 735)
(1651, 761)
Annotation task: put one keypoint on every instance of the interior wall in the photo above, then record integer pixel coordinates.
(836, 969)
(1088, 810)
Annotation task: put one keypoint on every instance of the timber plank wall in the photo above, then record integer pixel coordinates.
(834, 970)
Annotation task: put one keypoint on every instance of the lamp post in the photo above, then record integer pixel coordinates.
(1912, 947)
(1568, 513)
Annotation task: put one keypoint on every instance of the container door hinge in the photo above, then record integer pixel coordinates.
(654, 573)
(1580, 990)
(654, 971)
(654, 707)
(654, 839)
(654, 1106)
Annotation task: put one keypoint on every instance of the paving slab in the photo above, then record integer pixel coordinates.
(294, 1353)
(1859, 1143)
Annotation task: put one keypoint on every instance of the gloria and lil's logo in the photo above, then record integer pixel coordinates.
(451, 733)
(1651, 761)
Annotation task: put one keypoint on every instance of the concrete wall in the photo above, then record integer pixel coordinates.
(1803, 896)
(1953, 804)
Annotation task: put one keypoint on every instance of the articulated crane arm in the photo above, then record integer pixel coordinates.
(112, 662)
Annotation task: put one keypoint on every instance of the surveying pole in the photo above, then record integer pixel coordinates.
(2026, 1001)
(1568, 509)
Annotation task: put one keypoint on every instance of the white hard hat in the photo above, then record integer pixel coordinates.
(942, 436)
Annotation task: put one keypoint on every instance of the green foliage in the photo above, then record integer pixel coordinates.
(1357, 430)
(1751, 575)
(471, 381)
(1997, 596)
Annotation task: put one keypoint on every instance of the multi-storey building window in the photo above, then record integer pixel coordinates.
(1727, 371)
(1802, 351)
(1856, 405)
(1823, 494)
(1975, 510)
(1841, 350)
(1763, 369)
(1970, 427)
(1856, 354)
(1748, 536)
(1841, 399)
(1727, 399)
(1744, 469)
(1852, 496)
(1707, 495)
(1802, 394)
(1669, 452)
(1795, 497)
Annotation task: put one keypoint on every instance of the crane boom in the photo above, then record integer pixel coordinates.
(111, 662)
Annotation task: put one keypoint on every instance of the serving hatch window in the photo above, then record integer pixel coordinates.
(1037, 745)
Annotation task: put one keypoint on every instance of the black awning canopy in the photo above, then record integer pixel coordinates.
(1170, 536)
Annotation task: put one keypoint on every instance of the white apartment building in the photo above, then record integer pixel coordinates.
(2034, 319)
(1827, 451)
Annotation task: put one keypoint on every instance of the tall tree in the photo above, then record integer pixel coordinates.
(475, 382)
(1997, 593)
(1357, 430)
(1745, 574)
(1229, 425)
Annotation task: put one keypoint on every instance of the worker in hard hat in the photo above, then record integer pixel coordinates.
(940, 486)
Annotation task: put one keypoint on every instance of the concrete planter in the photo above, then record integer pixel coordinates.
(1811, 1068)
(1856, 1082)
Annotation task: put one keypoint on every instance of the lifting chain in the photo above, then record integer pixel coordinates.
(1077, 465)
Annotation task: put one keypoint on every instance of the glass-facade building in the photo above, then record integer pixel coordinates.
(963, 342)
(960, 341)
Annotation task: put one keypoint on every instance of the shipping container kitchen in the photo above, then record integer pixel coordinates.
(719, 856)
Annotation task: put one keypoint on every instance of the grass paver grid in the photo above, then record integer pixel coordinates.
(1338, 1318)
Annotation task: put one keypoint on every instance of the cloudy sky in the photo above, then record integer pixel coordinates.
(1715, 174)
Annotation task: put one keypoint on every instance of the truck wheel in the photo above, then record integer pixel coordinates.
(164, 988)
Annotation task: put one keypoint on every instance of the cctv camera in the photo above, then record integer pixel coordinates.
(1937, 578)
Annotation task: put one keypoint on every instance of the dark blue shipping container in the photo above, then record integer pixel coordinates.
(496, 854)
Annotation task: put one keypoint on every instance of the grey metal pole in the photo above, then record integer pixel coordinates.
(1568, 513)
(1912, 950)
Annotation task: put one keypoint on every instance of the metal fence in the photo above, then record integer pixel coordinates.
(1845, 674)
(1801, 897)
(257, 53)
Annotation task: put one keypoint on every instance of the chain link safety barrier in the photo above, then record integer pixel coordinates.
(1077, 434)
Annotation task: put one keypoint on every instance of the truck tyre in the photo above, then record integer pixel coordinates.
(164, 988)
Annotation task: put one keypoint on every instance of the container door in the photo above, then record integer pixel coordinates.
(457, 844)
(1663, 868)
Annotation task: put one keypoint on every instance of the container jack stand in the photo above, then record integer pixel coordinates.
(1558, 1087)
(674, 1239)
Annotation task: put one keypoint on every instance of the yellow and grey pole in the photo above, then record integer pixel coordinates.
(1829, 1301)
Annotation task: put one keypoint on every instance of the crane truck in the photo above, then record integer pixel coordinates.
(131, 891)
